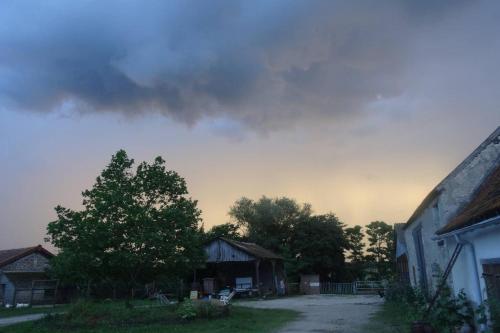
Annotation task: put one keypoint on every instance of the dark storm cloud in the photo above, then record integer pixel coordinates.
(264, 63)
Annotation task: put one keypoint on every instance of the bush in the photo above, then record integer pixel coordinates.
(189, 309)
(209, 310)
(186, 310)
(200, 309)
(489, 307)
(450, 312)
(494, 307)
(447, 313)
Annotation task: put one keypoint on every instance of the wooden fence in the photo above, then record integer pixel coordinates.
(358, 287)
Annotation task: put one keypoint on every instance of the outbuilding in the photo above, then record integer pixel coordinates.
(19, 268)
(242, 266)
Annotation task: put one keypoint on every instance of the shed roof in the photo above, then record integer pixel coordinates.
(253, 249)
(484, 204)
(11, 255)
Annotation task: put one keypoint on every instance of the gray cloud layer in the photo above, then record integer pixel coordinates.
(263, 63)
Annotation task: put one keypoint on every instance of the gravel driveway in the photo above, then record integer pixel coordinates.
(324, 313)
(20, 319)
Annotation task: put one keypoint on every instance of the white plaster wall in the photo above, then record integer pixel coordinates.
(487, 246)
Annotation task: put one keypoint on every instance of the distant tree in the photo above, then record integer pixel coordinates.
(381, 246)
(318, 245)
(269, 222)
(356, 255)
(309, 243)
(356, 245)
(227, 230)
(134, 226)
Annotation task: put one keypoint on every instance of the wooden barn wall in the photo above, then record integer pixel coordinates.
(226, 273)
(220, 251)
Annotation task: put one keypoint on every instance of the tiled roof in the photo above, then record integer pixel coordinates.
(11, 255)
(253, 249)
(494, 137)
(484, 204)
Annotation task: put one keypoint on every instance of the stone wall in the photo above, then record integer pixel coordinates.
(455, 191)
(34, 262)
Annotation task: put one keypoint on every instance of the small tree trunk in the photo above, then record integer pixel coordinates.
(87, 292)
(130, 297)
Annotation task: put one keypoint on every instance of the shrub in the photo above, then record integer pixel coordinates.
(209, 310)
(447, 313)
(494, 307)
(186, 310)
(450, 312)
(189, 309)
(491, 307)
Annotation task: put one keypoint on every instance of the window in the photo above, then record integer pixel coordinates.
(491, 275)
(435, 214)
(419, 249)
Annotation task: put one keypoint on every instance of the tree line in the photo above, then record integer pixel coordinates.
(311, 243)
(139, 224)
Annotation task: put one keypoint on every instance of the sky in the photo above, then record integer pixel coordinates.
(357, 107)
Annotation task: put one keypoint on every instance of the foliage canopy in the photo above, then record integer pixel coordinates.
(134, 226)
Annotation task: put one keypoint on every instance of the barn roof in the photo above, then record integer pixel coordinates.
(252, 249)
(484, 204)
(494, 137)
(11, 255)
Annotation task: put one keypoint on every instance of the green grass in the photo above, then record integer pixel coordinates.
(392, 318)
(240, 319)
(13, 312)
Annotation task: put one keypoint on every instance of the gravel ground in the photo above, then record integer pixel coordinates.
(324, 313)
(20, 319)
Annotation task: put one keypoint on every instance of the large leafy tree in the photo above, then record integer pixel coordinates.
(356, 256)
(309, 243)
(269, 222)
(227, 230)
(381, 246)
(356, 245)
(134, 226)
(318, 245)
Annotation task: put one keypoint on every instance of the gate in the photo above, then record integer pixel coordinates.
(358, 287)
(369, 287)
(338, 288)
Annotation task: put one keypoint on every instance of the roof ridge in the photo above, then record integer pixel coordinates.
(436, 190)
(20, 252)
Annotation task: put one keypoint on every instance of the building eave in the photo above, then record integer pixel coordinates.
(494, 221)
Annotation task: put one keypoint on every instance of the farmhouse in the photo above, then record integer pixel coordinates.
(476, 231)
(245, 267)
(18, 269)
(459, 218)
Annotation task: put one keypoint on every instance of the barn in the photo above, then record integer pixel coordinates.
(19, 268)
(244, 267)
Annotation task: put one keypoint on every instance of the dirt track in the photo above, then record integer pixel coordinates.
(324, 313)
